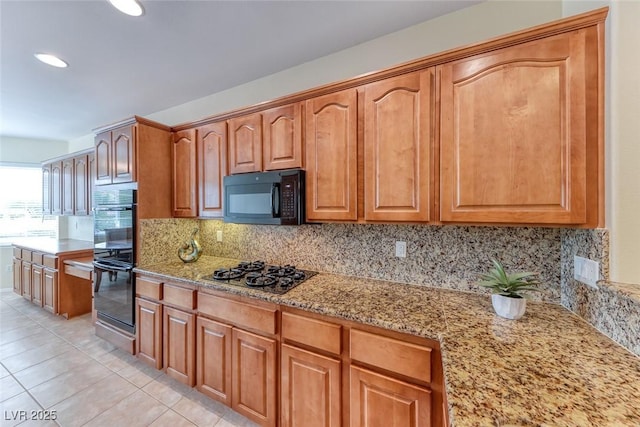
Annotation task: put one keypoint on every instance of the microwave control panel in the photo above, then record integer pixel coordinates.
(288, 197)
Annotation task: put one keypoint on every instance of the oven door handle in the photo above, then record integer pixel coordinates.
(113, 208)
(110, 267)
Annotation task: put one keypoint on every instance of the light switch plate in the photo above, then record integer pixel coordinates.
(401, 249)
(218, 235)
(586, 271)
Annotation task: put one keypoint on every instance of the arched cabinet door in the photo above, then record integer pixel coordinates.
(398, 130)
(282, 137)
(123, 142)
(212, 167)
(331, 157)
(184, 173)
(519, 135)
(245, 144)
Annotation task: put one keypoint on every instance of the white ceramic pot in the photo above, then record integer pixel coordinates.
(507, 307)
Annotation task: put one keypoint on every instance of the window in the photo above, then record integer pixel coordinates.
(21, 204)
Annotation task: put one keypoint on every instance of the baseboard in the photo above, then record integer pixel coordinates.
(120, 339)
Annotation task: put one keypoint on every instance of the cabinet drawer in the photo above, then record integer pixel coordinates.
(238, 313)
(26, 255)
(78, 272)
(148, 288)
(312, 332)
(391, 354)
(181, 297)
(36, 258)
(17, 253)
(50, 261)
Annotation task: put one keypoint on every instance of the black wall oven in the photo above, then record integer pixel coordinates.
(114, 257)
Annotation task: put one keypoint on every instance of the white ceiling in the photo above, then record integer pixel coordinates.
(176, 52)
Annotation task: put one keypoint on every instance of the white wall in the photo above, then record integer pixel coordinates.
(622, 135)
(470, 25)
(23, 150)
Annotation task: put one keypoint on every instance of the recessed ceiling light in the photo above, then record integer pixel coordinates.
(52, 60)
(130, 7)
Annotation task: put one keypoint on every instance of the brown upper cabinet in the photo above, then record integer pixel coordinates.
(519, 138)
(282, 137)
(332, 157)
(245, 144)
(509, 131)
(46, 188)
(115, 156)
(56, 188)
(199, 164)
(212, 166)
(269, 140)
(81, 185)
(66, 185)
(398, 130)
(184, 174)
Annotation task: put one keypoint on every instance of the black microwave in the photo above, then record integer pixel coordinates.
(265, 197)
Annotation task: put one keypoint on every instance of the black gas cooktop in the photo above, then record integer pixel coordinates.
(276, 279)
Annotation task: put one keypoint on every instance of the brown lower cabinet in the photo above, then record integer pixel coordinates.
(50, 290)
(310, 389)
(149, 332)
(213, 359)
(286, 367)
(381, 401)
(179, 345)
(37, 277)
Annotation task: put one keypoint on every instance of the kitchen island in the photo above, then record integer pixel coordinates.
(55, 274)
(548, 368)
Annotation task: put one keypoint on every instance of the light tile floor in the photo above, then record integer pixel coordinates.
(51, 364)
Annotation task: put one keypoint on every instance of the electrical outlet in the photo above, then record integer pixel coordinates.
(219, 236)
(401, 249)
(586, 271)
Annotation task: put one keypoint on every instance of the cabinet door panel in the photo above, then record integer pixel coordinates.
(123, 149)
(37, 273)
(213, 359)
(178, 341)
(56, 188)
(46, 189)
(184, 174)
(17, 276)
(398, 132)
(26, 280)
(331, 151)
(513, 133)
(149, 332)
(212, 167)
(80, 185)
(245, 144)
(379, 401)
(282, 137)
(67, 187)
(254, 377)
(91, 180)
(50, 290)
(104, 162)
(310, 395)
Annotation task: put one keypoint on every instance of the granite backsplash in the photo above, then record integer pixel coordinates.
(438, 256)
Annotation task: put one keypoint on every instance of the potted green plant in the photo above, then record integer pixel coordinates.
(507, 290)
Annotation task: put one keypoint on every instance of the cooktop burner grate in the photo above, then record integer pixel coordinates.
(276, 279)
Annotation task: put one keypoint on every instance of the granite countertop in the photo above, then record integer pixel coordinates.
(53, 246)
(548, 368)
